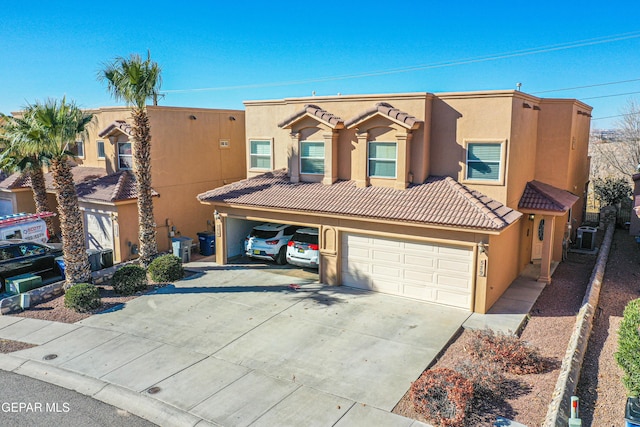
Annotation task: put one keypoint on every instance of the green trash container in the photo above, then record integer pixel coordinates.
(107, 258)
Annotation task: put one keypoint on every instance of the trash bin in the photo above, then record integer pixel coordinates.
(106, 258)
(207, 241)
(632, 413)
(182, 248)
(60, 262)
(95, 260)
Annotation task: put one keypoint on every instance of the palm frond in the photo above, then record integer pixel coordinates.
(132, 80)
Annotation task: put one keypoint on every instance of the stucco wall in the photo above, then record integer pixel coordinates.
(503, 265)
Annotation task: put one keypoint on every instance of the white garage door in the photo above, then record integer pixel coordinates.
(425, 271)
(99, 230)
(6, 207)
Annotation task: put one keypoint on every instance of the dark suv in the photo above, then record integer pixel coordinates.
(28, 257)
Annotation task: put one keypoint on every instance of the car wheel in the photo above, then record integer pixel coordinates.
(282, 256)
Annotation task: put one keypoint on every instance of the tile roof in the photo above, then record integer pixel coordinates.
(388, 110)
(115, 187)
(118, 125)
(19, 180)
(439, 201)
(540, 196)
(316, 111)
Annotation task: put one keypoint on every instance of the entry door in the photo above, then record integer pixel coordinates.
(99, 230)
(538, 235)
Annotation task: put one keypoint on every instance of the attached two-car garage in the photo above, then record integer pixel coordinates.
(427, 271)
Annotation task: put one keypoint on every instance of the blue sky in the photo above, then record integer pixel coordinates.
(268, 50)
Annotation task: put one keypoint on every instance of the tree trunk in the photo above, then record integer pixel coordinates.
(40, 196)
(75, 256)
(142, 170)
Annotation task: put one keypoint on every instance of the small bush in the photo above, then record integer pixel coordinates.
(129, 279)
(166, 268)
(628, 354)
(82, 297)
(487, 378)
(508, 351)
(443, 396)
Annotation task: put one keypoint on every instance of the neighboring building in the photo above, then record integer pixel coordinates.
(634, 221)
(192, 150)
(444, 198)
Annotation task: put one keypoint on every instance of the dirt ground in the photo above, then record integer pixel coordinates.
(550, 326)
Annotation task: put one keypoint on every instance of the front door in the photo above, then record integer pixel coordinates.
(538, 237)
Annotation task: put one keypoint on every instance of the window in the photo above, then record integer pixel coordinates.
(100, 147)
(382, 159)
(484, 161)
(80, 149)
(125, 158)
(312, 157)
(260, 154)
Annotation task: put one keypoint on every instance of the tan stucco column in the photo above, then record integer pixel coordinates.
(359, 174)
(330, 157)
(547, 249)
(404, 160)
(294, 162)
(328, 256)
(221, 238)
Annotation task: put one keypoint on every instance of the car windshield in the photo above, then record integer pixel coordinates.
(305, 238)
(262, 234)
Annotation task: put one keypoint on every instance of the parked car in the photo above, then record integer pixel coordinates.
(20, 257)
(269, 241)
(302, 249)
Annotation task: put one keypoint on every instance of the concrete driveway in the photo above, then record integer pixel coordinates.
(249, 345)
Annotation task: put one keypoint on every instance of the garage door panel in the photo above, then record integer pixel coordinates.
(457, 266)
(425, 271)
(99, 230)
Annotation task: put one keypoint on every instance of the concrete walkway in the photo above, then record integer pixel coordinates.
(238, 346)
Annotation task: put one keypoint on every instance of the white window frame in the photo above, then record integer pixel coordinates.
(369, 158)
(80, 149)
(98, 143)
(124, 155)
(314, 158)
(502, 162)
(270, 155)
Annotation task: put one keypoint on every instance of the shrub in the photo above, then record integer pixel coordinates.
(129, 279)
(443, 396)
(628, 354)
(82, 297)
(508, 351)
(487, 378)
(166, 268)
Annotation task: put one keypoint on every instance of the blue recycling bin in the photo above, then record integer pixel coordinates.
(207, 241)
(60, 262)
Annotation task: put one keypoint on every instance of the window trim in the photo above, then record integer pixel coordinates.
(502, 163)
(104, 156)
(369, 158)
(125, 155)
(324, 156)
(80, 143)
(270, 141)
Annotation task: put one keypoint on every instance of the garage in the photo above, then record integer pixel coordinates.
(99, 230)
(425, 271)
(6, 207)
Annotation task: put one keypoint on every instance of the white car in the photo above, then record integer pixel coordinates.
(302, 249)
(269, 241)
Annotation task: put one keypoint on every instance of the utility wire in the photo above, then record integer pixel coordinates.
(485, 58)
(585, 87)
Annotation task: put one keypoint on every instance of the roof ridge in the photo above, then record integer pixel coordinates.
(117, 190)
(470, 195)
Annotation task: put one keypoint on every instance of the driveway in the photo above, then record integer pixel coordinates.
(247, 344)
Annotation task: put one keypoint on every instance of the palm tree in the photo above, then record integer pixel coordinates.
(14, 158)
(55, 126)
(134, 81)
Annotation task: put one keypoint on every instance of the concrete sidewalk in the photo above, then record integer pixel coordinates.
(237, 346)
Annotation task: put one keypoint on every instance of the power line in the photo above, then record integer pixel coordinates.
(586, 87)
(610, 96)
(613, 117)
(473, 60)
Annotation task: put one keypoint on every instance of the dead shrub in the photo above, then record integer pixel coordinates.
(443, 396)
(508, 351)
(487, 378)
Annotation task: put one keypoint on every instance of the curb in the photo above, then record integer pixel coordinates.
(559, 408)
(133, 402)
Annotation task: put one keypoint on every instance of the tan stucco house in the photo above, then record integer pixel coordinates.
(193, 150)
(439, 197)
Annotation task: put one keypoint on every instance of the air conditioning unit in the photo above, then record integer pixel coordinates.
(586, 237)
